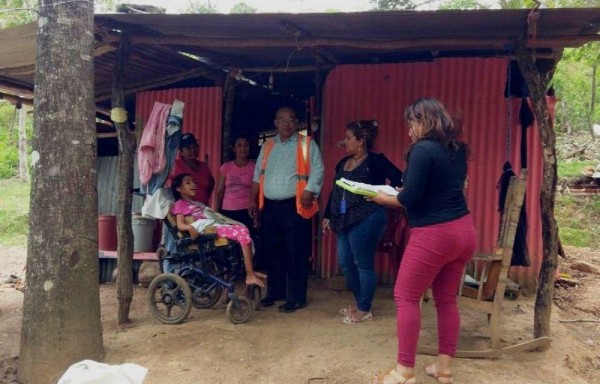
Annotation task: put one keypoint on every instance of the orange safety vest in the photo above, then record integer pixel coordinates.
(302, 173)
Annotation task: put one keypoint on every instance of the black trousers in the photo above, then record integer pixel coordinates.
(287, 243)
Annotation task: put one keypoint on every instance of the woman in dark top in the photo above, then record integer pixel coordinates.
(358, 223)
(442, 237)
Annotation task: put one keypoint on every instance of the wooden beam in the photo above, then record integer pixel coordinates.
(127, 144)
(301, 68)
(15, 99)
(319, 53)
(8, 86)
(392, 44)
(22, 70)
(154, 83)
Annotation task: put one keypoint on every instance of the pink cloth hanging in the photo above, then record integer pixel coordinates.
(151, 151)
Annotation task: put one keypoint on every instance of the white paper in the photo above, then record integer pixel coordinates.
(369, 187)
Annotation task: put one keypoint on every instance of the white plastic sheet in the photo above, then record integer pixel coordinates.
(92, 372)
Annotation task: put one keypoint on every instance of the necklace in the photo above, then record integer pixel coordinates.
(359, 158)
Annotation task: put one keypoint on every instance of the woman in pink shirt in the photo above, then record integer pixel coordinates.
(235, 183)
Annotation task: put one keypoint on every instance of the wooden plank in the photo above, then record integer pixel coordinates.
(540, 342)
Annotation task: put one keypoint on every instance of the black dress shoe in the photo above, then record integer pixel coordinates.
(291, 306)
(269, 301)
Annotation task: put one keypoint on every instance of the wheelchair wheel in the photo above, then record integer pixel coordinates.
(169, 298)
(254, 292)
(206, 296)
(241, 312)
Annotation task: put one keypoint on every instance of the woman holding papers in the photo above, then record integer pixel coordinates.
(442, 238)
(357, 222)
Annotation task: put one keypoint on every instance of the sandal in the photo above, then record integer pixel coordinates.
(347, 311)
(352, 320)
(394, 377)
(441, 377)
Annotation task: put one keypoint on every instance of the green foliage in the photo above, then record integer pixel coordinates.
(198, 6)
(14, 212)
(9, 140)
(578, 220)
(242, 8)
(464, 4)
(16, 12)
(573, 85)
(393, 5)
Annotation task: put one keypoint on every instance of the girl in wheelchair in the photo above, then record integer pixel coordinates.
(184, 191)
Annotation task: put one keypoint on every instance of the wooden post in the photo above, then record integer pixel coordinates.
(536, 83)
(23, 169)
(230, 84)
(125, 185)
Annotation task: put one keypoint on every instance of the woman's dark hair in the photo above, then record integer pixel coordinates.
(177, 181)
(366, 130)
(437, 123)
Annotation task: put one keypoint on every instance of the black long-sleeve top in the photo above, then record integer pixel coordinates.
(434, 184)
(376, 169)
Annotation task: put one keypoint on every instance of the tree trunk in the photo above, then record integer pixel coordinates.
(230, 84)
(23, 169)
(61, 309)
(536, 82)
(125, 185)
(592, 102)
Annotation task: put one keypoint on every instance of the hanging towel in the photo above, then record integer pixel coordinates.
(151, 152)
(173, 134)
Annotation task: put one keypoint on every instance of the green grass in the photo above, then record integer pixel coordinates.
(578, 219)
(14, 212)
(573, 168)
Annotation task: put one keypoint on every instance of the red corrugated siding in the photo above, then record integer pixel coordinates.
(202, 116)
(471, 88)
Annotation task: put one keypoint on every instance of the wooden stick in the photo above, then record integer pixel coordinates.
(579, 321)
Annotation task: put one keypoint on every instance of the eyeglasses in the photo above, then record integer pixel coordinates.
(289, 121)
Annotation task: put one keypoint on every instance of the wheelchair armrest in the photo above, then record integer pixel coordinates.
(201, 239)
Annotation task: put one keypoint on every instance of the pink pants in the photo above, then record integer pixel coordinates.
(435, 256)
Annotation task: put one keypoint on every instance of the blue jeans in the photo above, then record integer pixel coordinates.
(356, 255)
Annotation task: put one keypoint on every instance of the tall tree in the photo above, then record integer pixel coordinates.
(61, 310)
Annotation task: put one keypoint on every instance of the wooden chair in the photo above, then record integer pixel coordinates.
(392, 243)
(490, 272)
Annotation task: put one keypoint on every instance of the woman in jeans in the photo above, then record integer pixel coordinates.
(359, 223)
(442, 237)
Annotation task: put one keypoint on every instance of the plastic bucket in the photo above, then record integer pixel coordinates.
(107, 233)
(143, 230)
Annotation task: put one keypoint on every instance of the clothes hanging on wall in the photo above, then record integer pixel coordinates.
(520, 256)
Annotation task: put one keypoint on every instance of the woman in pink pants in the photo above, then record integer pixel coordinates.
(442, 237)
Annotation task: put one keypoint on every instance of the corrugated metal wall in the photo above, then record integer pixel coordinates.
(472, 89)
(202, 116)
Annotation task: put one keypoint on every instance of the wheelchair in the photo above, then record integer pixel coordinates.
(198, 272)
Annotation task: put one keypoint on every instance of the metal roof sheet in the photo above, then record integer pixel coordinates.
(287, 41)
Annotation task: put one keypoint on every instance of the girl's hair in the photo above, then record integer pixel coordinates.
(177, 181)
(366, 130)
(437, 123)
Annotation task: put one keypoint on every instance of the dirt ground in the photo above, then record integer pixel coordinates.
(313, 346)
